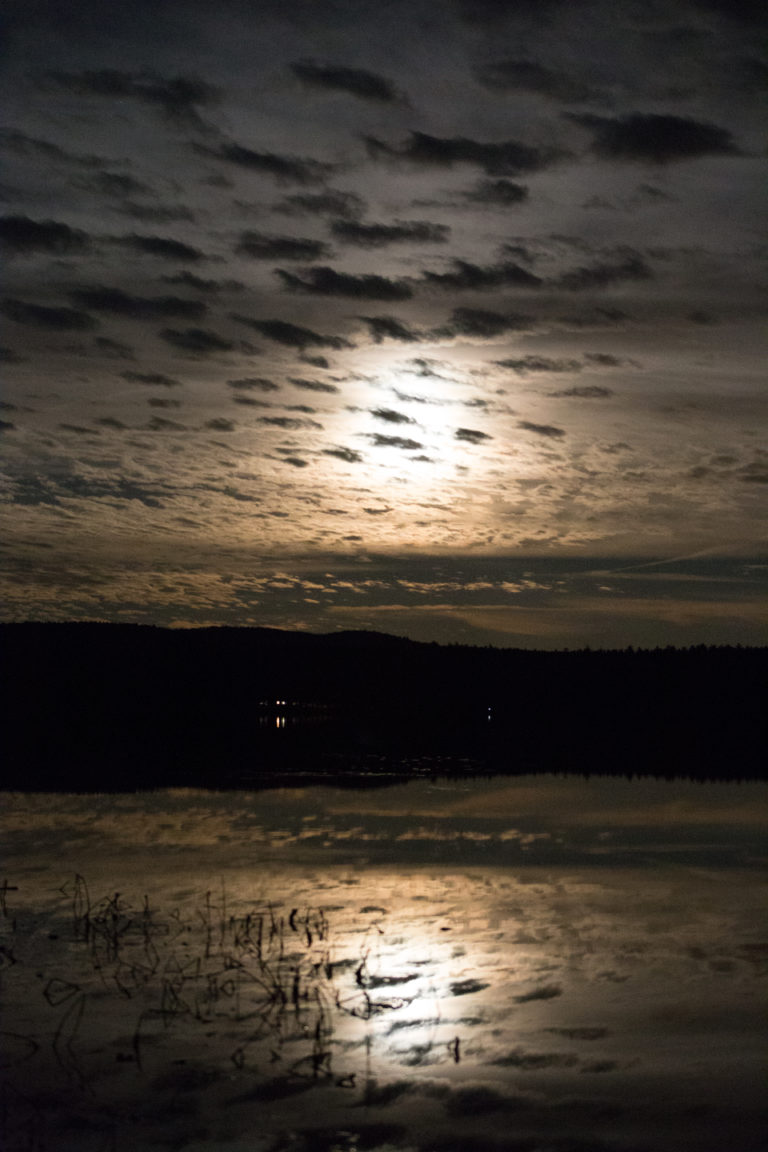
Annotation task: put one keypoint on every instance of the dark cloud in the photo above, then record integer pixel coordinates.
(505, 193)
(395, 442)
(586, 392)
(119, 303)
(188, 280)
(597, 318)
(42, 316)
(163, 402)
(389, 416)
(478, 322)
(289, 169)
(543, 992)
(471, 435)
(530, 76)
(379, 235)
(251, 402)
(344, 205)
(112, 422)
(296, 461)
(525, 364)
(629, 266)
(8, 356)
(655, 139)
(315, 361)
(493, 11)
(153, 379)
(23, 145)
(554, 433)
(292, 335)
(114, 184)
(290, 422)
(177, 97)
(503, 158)
(261, 247)
(220, 424)
(605, 359)
(356, 81)
(21, 236)
(474, 277)
(155, 213)
(253, 383)
(197, 341)
(161, 424)
(7, 426)
(742, 10)
(312, 385)
(533, 1061)
(389, 328)
(348, 455)
(161, 246)
(325, 281)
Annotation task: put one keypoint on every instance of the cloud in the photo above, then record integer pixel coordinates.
(253, 383)
(526, 364)
(479, 322)
(471, 435)
(530, 76)
(324, 281)
(655, 139)
(289, 422)
(389, 416)
(161, 246)
(379, 235)
(504, 158)
(288, 169)
(153, 379)
(155, 213)
(355, 81)
(42, 316)
(630, 266)
(543, 992)
(389, 328)
(605, 359)
(21, 236)
(542, 429)
(345, 205)
(504, 193)
(586, 392)
(119, 303)
(197, 341)
(114, 349)
(533, 1061)
(348, 455)
(261, 247)
(477, 278)
(292, 335)
(114, 184)
(220, 424)
(395, 442)
(177, 97)
(23, 145)
(188, 280)
(312, 385)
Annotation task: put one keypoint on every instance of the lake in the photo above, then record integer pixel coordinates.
(531, 964)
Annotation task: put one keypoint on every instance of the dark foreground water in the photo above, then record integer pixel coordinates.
(528, 965)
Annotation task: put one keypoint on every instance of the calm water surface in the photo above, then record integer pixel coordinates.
(527, 965)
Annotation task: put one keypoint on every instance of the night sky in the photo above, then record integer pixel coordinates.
(439, 318)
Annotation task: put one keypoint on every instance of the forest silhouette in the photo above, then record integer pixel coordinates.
(113, 707)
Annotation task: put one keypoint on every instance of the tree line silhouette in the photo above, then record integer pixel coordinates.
(115, 707)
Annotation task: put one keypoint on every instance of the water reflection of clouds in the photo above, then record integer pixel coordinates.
(588, 989)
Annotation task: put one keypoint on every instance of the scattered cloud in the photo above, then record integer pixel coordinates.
(504, 158)
(325, 281)
(389, 328)
(586, 392)
(532, 363)
(348, 455)
(292, 335)
(261, 247)
(253, 383)
(120, 303)
(502, 193)
(389, 416)
(355, 81)
(379, 235)
(602, 274)
(284, 169)
(153, 379)
(475, 277)
(655, 139)
(196, 341)
(44, 316)
(343, 205)
(161, 246)
(312, 385)
(19, 235)
(178, 97)
(530, 76)
(482, 323)
(548, 430)
(407, 445)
